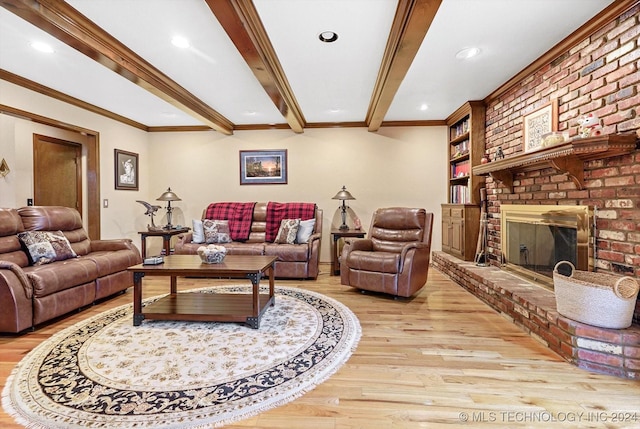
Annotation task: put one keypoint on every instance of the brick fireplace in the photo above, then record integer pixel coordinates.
(595, 70)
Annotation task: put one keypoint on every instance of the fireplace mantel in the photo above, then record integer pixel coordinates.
(568, 157)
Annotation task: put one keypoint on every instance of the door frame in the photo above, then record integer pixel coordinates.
(91, 147)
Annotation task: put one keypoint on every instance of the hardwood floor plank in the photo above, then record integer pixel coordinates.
(422, 362)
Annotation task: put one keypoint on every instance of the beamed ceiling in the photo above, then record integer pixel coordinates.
(260, 64)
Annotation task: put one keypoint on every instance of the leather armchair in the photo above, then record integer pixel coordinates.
(394, 259)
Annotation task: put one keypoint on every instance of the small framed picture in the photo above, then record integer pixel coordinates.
(538, 123)
(263, 167)
(126, 170)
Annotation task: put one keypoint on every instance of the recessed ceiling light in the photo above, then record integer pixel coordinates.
(334, 110)
(328, 36)
(180, 42)
(423, 107)
(466, 53)
(42, 47)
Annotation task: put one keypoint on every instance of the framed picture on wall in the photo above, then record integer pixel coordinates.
(263, 167)
(538, 123)
(126, 170)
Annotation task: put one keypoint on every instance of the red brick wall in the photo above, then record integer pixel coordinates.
(598, 75)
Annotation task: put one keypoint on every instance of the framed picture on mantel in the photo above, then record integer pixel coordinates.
(538, 123)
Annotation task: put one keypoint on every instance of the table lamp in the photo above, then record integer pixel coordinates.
(168, 196)
(343, 195)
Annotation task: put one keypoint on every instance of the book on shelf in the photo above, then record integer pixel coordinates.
(460, 149)
(460, 194)
(459, 129)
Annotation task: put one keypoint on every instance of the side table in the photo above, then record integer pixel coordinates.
(337, 234)
(166, 235)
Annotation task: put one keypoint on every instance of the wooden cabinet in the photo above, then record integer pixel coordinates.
(466, 149)
(460, 227)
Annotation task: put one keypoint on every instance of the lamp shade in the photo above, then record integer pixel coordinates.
(343, 195)
(169, 195)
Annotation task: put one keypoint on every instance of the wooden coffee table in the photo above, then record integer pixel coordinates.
(209, 307)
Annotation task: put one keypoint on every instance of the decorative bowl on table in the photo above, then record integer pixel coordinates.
(212, 254)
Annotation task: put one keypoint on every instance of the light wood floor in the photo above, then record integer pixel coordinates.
(434, 361)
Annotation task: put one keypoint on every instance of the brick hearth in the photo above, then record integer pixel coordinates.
(533, 308)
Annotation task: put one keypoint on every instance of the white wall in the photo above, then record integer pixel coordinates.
(16, 146)
(396, 166)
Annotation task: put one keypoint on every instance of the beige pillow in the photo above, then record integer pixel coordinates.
(45, 246)
(216, 231)
(288, 231)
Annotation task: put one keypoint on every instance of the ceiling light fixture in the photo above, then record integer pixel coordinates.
(42, 47)
(180, 42)
(466, 53)
(328, 36)
(423, 107)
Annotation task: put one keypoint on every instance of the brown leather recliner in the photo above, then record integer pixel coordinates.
(394, 259)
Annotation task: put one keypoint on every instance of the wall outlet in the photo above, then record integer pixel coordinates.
(105, 203)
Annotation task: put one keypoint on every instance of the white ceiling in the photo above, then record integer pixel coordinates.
(332, 83)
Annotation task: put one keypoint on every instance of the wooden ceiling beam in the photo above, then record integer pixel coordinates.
(410, 25)
(69, 26)
(241, 21)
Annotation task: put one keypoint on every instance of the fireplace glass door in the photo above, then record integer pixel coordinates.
(538, 247)
(536, 238)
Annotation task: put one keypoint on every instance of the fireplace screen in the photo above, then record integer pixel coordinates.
(535, 238)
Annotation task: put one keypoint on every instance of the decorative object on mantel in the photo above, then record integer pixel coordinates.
(566, 157)
(151, 211)
(4, 168)
(589, 126)
(499, 153)
(343, 195)
(169, 196)
(538, 123)
(553, 138)
(485, 158)
(598, 299)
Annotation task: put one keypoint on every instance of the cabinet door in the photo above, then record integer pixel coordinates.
(446, 234)
(457, 236)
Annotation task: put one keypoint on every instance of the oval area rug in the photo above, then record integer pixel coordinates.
(106, 373)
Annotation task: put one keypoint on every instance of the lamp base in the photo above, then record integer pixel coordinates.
(343, 227)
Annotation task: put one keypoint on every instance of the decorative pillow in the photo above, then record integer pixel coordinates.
(198, 231)
(288, 231)
(216, 231)
(45, 246)
(305, 230)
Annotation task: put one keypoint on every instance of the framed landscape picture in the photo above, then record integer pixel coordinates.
(538, 123)
(263, 167)
(126, 170)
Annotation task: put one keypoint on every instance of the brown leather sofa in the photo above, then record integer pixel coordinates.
(294, 260)
(394, 258)
(33, 294)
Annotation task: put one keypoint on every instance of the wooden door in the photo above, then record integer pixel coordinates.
(57, 172)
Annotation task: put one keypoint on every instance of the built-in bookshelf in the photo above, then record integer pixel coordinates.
(461, 217)
(466, 148)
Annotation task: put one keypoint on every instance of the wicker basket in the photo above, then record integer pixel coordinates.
(597, 299)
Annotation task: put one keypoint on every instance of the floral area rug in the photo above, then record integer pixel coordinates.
(106, 373)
